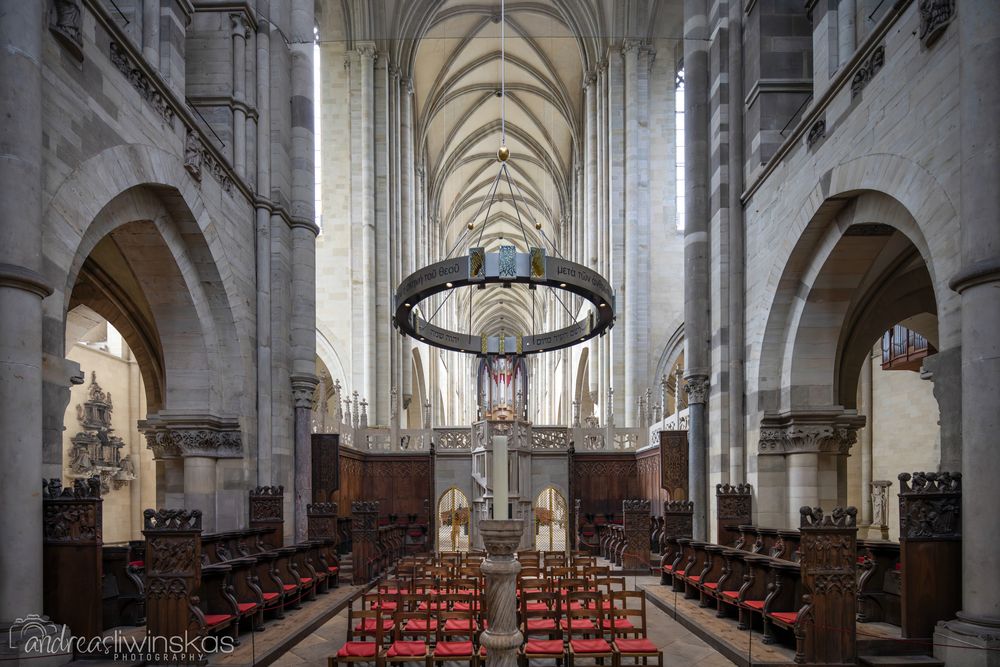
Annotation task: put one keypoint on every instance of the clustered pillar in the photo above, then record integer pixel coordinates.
(696, 287)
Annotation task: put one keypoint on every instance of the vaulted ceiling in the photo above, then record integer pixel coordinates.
(452, 52)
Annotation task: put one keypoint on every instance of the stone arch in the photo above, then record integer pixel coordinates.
(326, 350)
(883, 189)
(143, 193)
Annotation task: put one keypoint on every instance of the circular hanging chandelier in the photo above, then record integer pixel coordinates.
(507, 267)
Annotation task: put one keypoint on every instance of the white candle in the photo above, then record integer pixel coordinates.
(500, 477)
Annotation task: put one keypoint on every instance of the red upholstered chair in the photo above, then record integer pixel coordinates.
(552, 648)
(411, 622)
(456, 633)
(628, 631)
(584, 616)
(541, 615)
(414, 618)
(361, 624)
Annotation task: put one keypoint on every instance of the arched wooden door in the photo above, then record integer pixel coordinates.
(551, 520)
(454, 515)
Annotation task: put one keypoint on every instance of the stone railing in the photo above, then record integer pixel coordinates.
(385, 440)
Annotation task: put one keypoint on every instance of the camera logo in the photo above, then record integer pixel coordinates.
(37, 634)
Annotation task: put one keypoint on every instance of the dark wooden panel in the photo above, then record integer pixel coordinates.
(674, 464)
(352, 471)
(603, 481)
(650, 478)
(401, 484)
(325, 465)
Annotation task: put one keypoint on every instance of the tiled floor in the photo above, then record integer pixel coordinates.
(680, 646)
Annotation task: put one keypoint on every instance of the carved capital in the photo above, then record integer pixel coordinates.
(304, 390)
(822, 431)
(630, 45)
(238, 25)
(367, 50)
(173, 436)
(697, 389)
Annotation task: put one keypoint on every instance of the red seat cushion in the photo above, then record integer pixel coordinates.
(435, 606)
(333, 568)
(544, 646)
(754, 604)
(211, 620)
(369, 625)
(695, 577)
(578, 624)
(402, 648)
(453, 649)
(590, 646)
(711, 584)
(246, 606)
(668, 568)
(620, 623)
(636, 646)
(679, 573)
(357, 650)
(465, 606)
(541, 624)
(459, 624)
(731, 594)
(420, 625)
(306, 580)
(290, 587)
(269, 596)
(785, 616)
(137, 563)
(899, 566)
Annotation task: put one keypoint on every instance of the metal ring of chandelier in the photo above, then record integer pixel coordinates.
(506, 267)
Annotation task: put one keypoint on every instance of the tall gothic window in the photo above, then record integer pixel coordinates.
(679, 144)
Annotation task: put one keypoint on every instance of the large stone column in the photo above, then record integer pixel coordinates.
(846, 18)
(407, 224)
(616, 220)
(262, 208)
(304, 230)
(696, 285)
(502, 638)
(22, 288)
(978, 624)
(636, 306)
(366, 167)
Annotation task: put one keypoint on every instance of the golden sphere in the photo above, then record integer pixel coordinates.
(503, 153)
(470, 226)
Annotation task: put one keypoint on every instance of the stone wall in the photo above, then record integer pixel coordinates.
(898, 135)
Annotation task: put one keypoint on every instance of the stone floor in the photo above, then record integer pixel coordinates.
(680, 646)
